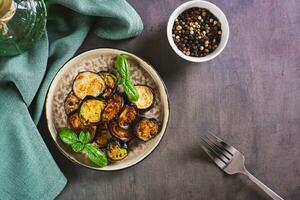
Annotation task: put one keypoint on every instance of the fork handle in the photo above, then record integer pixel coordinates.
(262, 186)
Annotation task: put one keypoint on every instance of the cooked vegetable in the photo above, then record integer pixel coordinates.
(90, 111)
(68, 136)
(92, 130)
(118, 132)
(81, 143)
(111, 84)
(127, 116)
(123, 66)
(96, 155)
(116, 150)
(113, 107)
(146, 97)
(103, 136)
(88, 84)
(146, 128)
(101, 117)
(72, 103)
(75, 122)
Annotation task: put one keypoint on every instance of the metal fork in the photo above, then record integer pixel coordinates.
(231, 161)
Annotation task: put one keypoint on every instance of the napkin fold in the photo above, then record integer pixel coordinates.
(27, 169)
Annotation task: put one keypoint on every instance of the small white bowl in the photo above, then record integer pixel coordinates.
(217, 12)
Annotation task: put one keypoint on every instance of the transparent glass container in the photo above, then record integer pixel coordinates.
(22, 23)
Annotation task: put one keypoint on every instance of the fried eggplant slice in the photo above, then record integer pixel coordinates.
(116, 150)
(72, 103)
(92, 130)
(146, 97)
(146, 129)
(91, 111)
(75, 122)
(113, 107)
(111, 84)
(127, 116)
(88, 84)
(120, 133)
(103, 135)
(77, 126)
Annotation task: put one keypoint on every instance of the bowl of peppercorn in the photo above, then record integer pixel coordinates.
(198, 31)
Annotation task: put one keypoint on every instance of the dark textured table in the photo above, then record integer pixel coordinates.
(249, 96)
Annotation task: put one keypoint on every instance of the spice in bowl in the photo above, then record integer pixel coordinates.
(197, 32)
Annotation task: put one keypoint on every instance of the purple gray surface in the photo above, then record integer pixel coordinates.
(249, 96)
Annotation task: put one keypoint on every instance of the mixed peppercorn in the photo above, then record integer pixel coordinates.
(197, 32)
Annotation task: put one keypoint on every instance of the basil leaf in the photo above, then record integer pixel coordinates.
(77, 147)
(121, 81)
(96, 155)
(122, 66)
(84, 137)
(131, 91)
(68, 136)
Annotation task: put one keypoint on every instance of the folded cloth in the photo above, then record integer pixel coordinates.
(27, 169)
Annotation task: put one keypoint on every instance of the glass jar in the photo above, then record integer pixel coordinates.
(22, 23)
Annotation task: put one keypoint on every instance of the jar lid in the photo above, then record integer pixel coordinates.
(5, 6)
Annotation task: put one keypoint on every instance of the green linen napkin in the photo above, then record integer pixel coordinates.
(27, 169)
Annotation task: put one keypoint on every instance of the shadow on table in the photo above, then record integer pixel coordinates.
(155, 48)
(196, 153)
(68, 168)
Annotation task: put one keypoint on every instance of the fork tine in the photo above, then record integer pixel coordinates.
(230, 149)
(219, 148)
(212, 154)
(219, 153)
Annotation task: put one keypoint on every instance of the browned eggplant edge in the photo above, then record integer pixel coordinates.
(93, 73)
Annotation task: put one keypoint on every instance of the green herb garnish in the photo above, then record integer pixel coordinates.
(81, 144)
(123, 66)
(68, 136)
(84, 137)
(96, 155)
(77, 147)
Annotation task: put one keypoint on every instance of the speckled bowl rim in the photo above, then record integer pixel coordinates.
(158, 78)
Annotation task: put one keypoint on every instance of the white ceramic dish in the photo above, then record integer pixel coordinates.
(99, 60)
(216, 12)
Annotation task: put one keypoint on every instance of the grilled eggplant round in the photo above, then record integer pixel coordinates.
(103, 135)
(72, 103)
(146, 129)
(113, 107)
(75, 122)
(111, 84)
(91, 111)
(146, 97)
(92, 130)
(116, 150)
(120, 133)
(127, 116)
(88, 84)
(77, 126)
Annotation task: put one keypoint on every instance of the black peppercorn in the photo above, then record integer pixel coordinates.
(197, 32)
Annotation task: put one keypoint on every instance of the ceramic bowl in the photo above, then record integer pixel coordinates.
(217, 12)
(98, 60)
